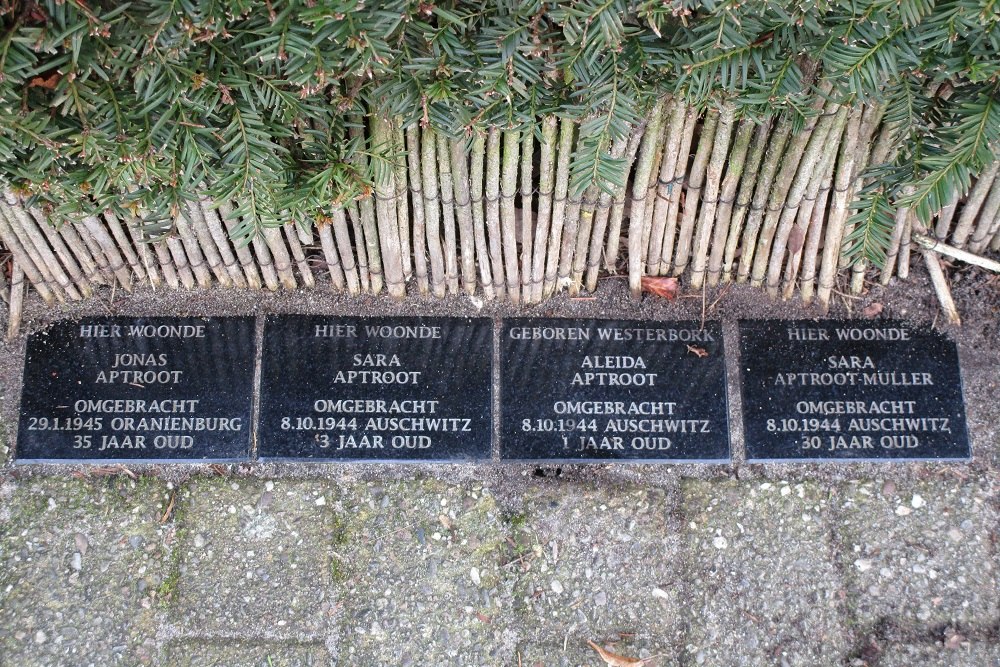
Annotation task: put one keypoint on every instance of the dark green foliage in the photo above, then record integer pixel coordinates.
(140, 106)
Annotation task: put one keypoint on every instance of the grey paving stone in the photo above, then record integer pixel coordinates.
(763, 587)
(419, 566)
(601, 565)
(196, 653)
(920, 555)
(254, 556)
(969, 654)
(81, 566)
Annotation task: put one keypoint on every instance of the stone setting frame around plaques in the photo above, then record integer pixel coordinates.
(137, 390)
(400, 389)
(585, 390)
(850, 390)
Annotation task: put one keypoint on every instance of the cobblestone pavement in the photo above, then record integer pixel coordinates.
(224, 570)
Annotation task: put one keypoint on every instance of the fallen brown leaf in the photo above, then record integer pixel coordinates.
(48, 82)
(661, 286)
(615, 660)
(873, 309)
(796, 237)
(699, 352)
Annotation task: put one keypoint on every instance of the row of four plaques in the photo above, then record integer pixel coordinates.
(421, 389)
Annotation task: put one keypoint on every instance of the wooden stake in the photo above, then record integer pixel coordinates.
(196, 216)
(713, 178)
(824, 142)
(676, 189)
(603, 211)
(366, 211)
(360, 246)
(508, 191)
(727, 196)
(448, 214)
(814, 237)
(265, 263)
(571, 232)
(97, 231)
(144, 250)
(973, 205)
(347, 260)
(432, 209)
(124, 244)
(282, 259)
(692, 196)
(799, 158)
(33, 247)
(940, 284)
(583, 237)
(193, 250)
(989, 218)
(402, 200)
(924, 241)
(945, 216)
(678, 112)
(330, 256)
(217, 236)
(546, 187)
(243, 253)
(618, 206)
(527, 223)
(651, 190)
(640, 190)
(492, 194)
(802, 229)
(902, 213)
(23, 261)
(180, 260)
(202, 257)
(554, 240)
(64, 254)
(385, 205)
(476, 180)
(419, 224)
(903, 271)
(106, 277)
(463, 212)
(833, 242)
(295, 245)
(762, 194)
(91, 271)
(162, 253)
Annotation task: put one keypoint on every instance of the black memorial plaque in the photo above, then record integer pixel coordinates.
(612, 390)
(850, 390)
(376, 389)
(120, 389)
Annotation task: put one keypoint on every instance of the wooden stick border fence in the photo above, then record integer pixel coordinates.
(709, 197)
